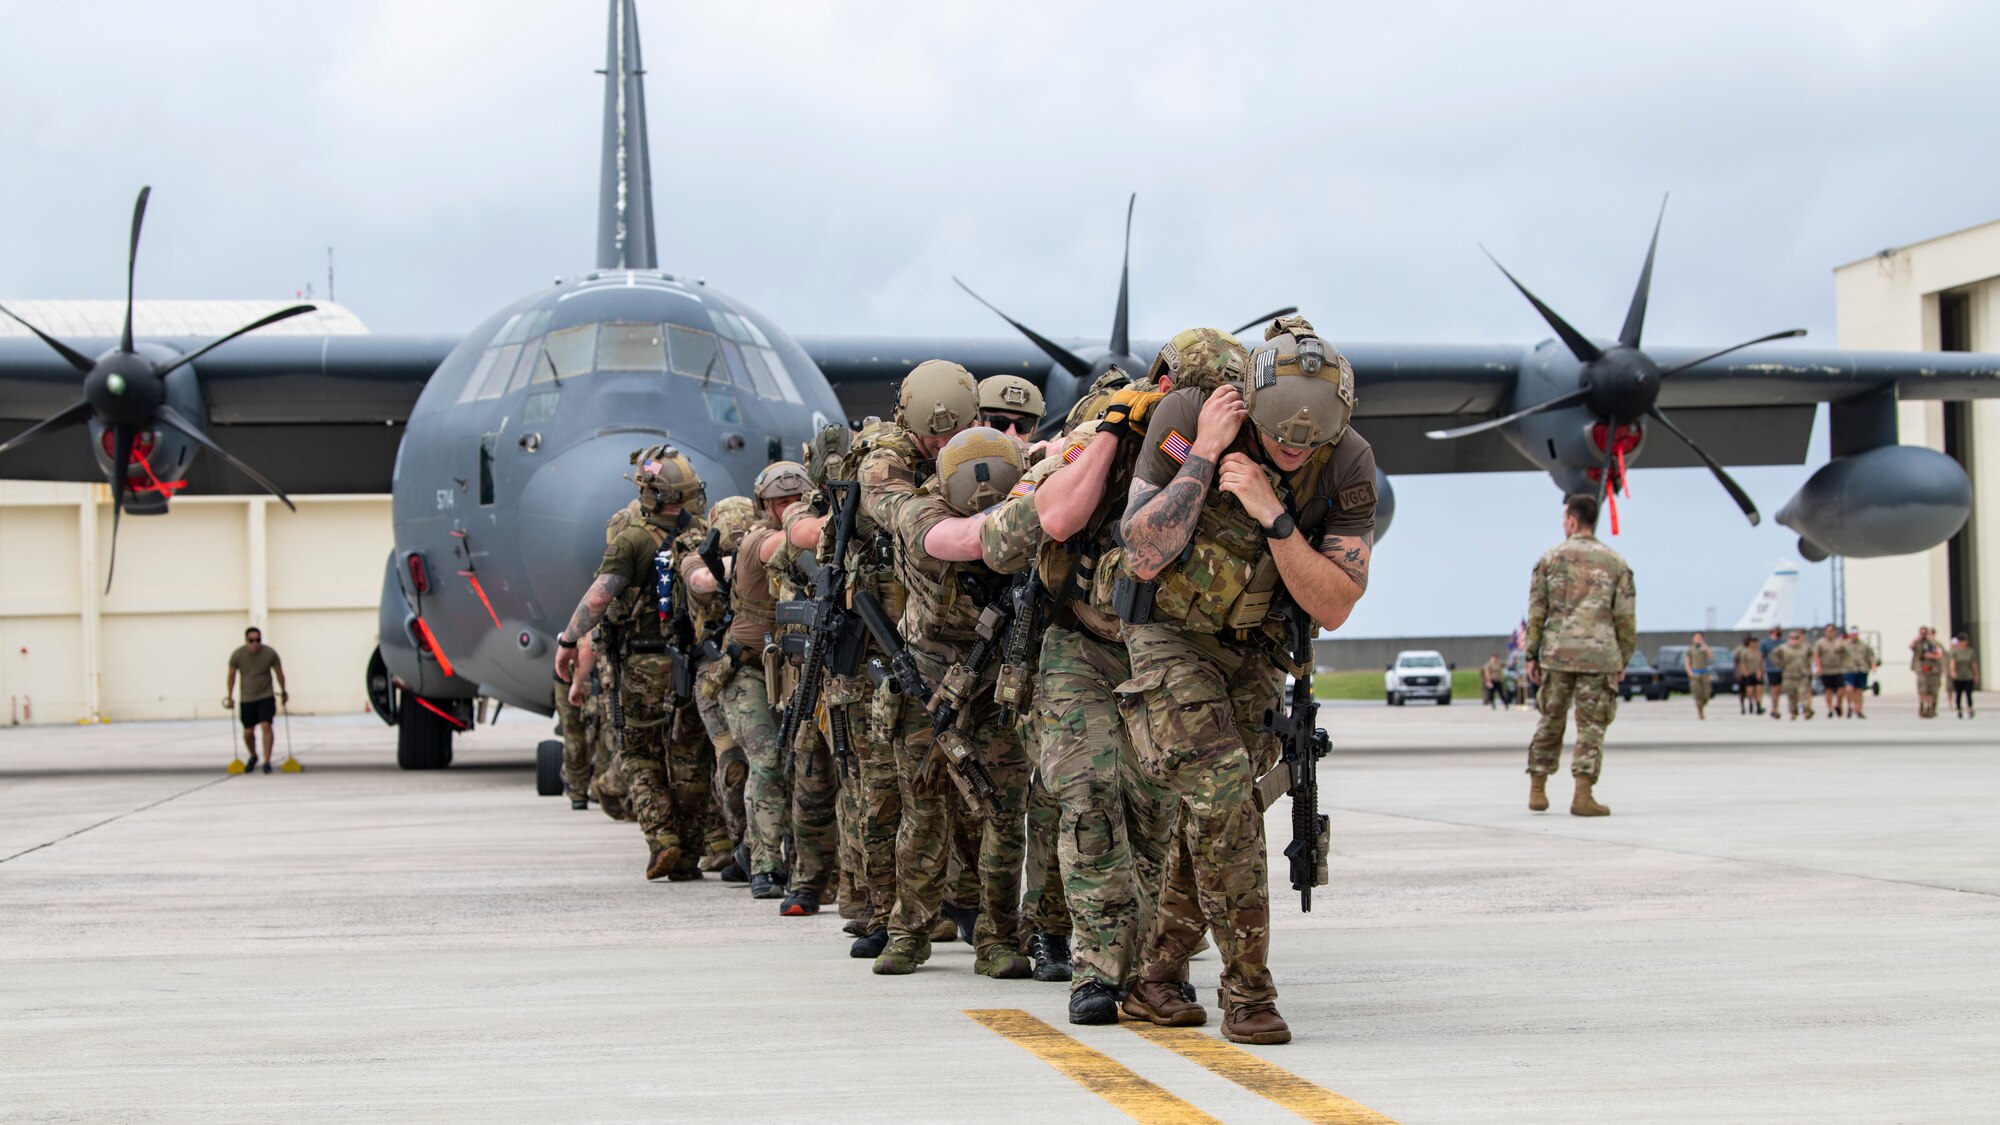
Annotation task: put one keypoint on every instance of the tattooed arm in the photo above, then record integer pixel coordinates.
(1326, 582)
(1158, 521)
(589, 612)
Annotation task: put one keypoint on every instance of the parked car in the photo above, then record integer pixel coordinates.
(1641, 678)
(1721, 663)
(1417, 674)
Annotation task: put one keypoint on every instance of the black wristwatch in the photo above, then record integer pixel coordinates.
(561, 643)
(1282, 527)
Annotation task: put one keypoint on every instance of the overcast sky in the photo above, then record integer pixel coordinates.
(836, 164)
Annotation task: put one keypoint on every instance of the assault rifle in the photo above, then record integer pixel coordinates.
(1303, 744)
(945, 704)
(1024, 603)
(830, 637)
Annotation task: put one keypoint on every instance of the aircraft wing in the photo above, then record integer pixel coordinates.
(317, 414)
(1752, 407)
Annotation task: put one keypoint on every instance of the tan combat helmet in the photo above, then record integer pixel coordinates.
(977, 468)
(1200, 357)
(731, 517)
(1301, 390)
(826, 454)
(781, 480)
(665, 476)
(1011, 394)
(938, 397)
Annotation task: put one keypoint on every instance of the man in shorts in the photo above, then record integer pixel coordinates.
(259, 664)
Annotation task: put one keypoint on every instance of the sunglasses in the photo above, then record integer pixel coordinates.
(1021, 423)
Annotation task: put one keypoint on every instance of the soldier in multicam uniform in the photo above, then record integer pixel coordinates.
(1227, 527)
(1701, 678)
(729, 518)
(665, 761)
(607, 776)
(1927, 661)
(1012, 405)
(811, 774)
(935, 401)
(1581, 632)
(1795, 665)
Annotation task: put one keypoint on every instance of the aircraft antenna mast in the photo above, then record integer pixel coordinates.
(625, 186)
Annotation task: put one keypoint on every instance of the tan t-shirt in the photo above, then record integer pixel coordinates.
(253, 670)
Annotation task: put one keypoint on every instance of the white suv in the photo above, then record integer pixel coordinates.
(1417, 674)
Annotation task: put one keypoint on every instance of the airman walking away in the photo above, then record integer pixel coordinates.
(1581, 633)
(1927, 661)
(1493, 681)
(1795, 669)
(1830, 658)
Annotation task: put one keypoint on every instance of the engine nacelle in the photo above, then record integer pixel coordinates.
(1894, 500)
(165, 451)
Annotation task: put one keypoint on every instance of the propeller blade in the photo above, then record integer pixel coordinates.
(1068, 360)
(1785, 335)
(1120, 321)
(61, 420)
(281, 314)
(1572, 398)
(1635, 317)
(132, 265)
(121, 464)
(185, 425)
(1581, 348)
(1269, 316)
(76, 359)
(1735, 490)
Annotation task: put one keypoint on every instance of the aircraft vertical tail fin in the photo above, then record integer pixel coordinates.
(625, 185)
(1773, 603)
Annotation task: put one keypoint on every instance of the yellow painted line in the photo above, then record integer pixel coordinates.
(1265, 1079)
(1090, 1068)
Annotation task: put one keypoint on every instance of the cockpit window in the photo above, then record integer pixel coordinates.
(767, 372)
(631, 347)
(568, 352)
(531, 355)
(693, 352)
(502, 366)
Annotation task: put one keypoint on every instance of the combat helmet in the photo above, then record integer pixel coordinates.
(1201, 357)
(1092, 402)
(1301, 390)
(977, 468)
(781, 480)
(1011, 394)
(665, 476)
(937, 397)
(826, 453)
(731, 517)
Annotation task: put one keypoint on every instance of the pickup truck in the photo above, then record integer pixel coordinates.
(1417, 674)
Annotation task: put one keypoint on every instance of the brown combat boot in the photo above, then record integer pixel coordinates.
(1162, 1002)
(663, 862)
(1252, 1021)
(1538, 792)
(1583, 804)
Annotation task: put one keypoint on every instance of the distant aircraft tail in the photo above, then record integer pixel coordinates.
(625, 189)
(1773, 603)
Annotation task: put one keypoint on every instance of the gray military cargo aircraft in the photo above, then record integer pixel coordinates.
(504, 449)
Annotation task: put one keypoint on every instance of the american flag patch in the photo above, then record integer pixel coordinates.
(1072, 453)
(651, 467)
(1023, 488)
(1176, 447)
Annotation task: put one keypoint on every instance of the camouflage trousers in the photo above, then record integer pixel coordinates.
(1194, 709)
(1702, 688)
(766, 798)
(1044, 910)
(665, 783)
(732, 769)
(849, 818)
(1595, 697)
(607, 772)
(881, 798)
(937, 821)
(576, 748)
(1797, 690)
(815, 791)
(1114, 823)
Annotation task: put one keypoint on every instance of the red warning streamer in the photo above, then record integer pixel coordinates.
(431, 641)
(439, 712)
(481, 591)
